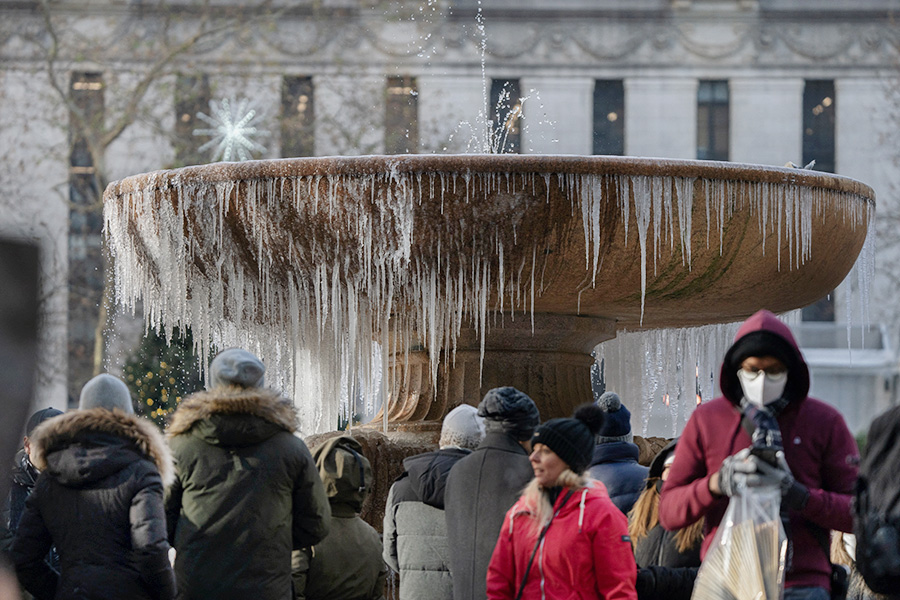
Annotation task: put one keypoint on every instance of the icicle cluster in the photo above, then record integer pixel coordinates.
(309, 270)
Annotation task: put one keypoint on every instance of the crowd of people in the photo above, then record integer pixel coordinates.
(232, 504)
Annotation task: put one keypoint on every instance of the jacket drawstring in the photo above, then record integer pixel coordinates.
(581, 509)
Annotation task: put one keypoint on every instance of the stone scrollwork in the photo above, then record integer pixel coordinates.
(609, 41)
(820, 43)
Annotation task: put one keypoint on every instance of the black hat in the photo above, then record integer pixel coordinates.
(572, 439)
(39, 417)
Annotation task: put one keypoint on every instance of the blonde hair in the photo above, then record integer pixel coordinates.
(538, 504)
(645, 515)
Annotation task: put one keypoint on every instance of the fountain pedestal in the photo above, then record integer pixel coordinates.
(549, 360)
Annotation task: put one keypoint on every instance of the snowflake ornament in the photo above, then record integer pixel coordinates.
(230, 130)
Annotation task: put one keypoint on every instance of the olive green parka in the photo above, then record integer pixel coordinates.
(247, 492)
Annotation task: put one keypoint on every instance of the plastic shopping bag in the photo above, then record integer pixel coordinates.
(746, 560)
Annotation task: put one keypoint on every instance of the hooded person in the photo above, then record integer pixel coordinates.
(99, 501)
(765, 384)
(23, 476)
(483, 485)
(615, 459)
(668, 560)
(247, 491)
(563, 538)
(347, 564)
(415, 531)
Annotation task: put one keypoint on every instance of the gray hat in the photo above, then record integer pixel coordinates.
(462, 428)
(236, 367)
(106, 391)
(507, 410)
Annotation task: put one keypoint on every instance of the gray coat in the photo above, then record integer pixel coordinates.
(480, 489)
(415, 532)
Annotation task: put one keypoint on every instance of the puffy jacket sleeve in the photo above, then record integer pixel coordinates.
(501, 575)
(614, 566)
(311, 511)
(30, 546)
(666, 583)
(149, 538)
(172, 504)
(389, 541)
(685, 497)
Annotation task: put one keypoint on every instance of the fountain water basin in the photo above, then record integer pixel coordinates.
(472, 271)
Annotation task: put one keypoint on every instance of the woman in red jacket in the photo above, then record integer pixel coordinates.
(563, 538)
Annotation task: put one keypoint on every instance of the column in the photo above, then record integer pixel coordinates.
(766, 120)
(661, 117)
(451, 113)
(349, 111)
(558, 115)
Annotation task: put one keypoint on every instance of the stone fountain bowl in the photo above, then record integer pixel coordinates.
(431, 248)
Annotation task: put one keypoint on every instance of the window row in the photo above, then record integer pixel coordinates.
(401, 132)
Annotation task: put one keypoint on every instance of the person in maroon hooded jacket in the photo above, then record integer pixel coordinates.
(765, 381)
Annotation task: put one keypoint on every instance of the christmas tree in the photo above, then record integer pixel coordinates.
(161, 373)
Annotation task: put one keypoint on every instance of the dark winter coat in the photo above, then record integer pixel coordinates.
(480, 489)
(246, 493)
(99, 500)
(347, 564)
(415, 530)
(616, 465)
(22, 479)
(818, 447)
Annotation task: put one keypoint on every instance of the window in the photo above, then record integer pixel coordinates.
(297, 114)
(505, 114)
(86, 92)
(712, 120)
(85, 255)
(818, 124)
(609, 117)
(192, 95)
(401, 122)
(818, 145)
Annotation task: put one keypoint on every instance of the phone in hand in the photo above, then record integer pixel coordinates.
(767, 454)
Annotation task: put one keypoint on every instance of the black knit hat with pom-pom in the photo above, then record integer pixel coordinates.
(572, 439)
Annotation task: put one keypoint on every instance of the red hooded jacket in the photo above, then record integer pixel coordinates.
(586, 553)
(818, 447)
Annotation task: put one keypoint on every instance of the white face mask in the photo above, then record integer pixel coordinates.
(762, 388)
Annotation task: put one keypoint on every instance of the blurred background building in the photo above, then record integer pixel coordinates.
(95, 90)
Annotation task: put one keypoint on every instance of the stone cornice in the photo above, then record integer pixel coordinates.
(362, 40)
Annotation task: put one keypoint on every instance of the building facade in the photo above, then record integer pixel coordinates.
(93, 91)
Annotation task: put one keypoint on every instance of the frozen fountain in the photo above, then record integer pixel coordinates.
(470, 271)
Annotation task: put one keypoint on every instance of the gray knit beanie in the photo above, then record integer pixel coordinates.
(462, 428)
(236, 366)
(617, 425)
(507, 410)
(106, 391)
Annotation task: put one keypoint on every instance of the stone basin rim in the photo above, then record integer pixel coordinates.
(487, 163)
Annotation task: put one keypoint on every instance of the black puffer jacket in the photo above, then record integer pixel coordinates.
(99, 500)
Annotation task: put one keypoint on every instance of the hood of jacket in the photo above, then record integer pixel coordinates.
(345, 473)
(83, 446)
(764, 330)
(428, 473)
(234, 416)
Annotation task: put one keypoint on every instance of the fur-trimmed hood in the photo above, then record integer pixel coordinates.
(80, 426)
(220, 415)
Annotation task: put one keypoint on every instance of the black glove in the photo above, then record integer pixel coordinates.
(645, 584)
(794, 494)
